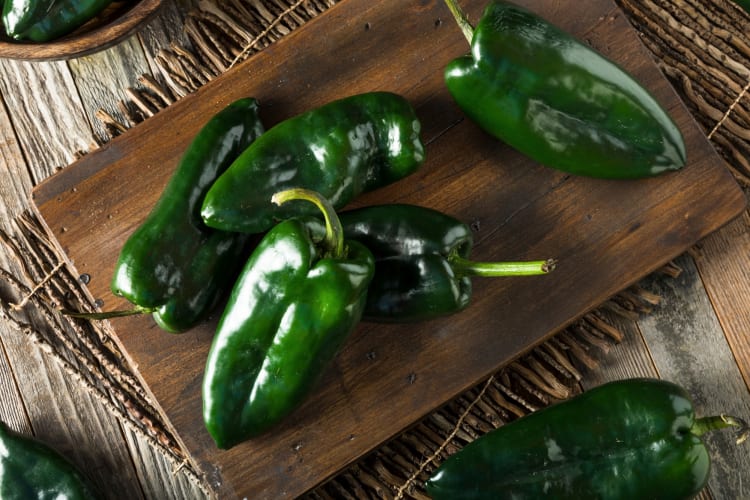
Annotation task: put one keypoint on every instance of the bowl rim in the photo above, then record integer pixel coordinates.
(72, 46)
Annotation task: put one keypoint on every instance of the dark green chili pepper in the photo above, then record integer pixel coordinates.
(422, 269)
(298, 298)
(173, 265)
(745, 4)
(341, 149)
(557, 100)
(636, 438)
(42, 21)
(29, 469)
(19, 15)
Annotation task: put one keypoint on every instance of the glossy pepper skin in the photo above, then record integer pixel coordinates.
(422, 266)
(635, 438)
(19, 15)
(558, 101)
(30, 469)
(173, 265)
(45, 20)
(341, 149)
(298, 299)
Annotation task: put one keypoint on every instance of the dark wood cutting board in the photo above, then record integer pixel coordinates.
(605, 234)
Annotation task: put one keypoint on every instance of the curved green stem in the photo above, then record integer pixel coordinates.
(108, 314)
(461, 19)
(334, 238)
(707, 424)
(465, 267)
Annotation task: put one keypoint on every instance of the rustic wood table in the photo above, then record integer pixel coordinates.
(53, 112)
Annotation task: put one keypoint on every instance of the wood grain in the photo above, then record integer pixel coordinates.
(679, 334)
(107, 29)
(45, 117)
(603, 240)
(723, 261)
(93, 75)
(52, 127)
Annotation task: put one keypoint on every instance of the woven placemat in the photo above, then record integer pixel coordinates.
(699, 45)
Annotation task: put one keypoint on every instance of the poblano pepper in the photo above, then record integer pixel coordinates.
(558, 101)
(636, 438)
(45, 20)
(29, 469)
(422, 266)
(172, 265)
(341, 149)
(297, 300)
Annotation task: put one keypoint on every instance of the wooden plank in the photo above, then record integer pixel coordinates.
(14, 186)
(628, 359)
(689, 348)
(47, 114)
(101, 80)
(723, 261)
(604, 241)
(69, 420)
(158, 477)
(166, 29)
(15, 182)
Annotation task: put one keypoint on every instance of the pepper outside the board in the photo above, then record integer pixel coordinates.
(422, 270)
(173, 265)
(297, 300)
(340, 150)
(45, 20)
(635, 438)
(29, 469)
(558, 101)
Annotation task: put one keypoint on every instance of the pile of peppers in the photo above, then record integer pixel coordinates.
(45, 20)
(314, 273)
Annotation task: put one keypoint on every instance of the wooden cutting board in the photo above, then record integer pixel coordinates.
(605, 234)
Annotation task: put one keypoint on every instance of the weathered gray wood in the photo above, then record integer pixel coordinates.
(101, 80)
(166, 29)
(159, 477)
(688, 347)
(56, 122)
(15, 181)
(47, 114)
(723, 260)
(628, 359)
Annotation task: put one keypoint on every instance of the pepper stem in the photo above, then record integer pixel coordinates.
(334, 238)
(460, 17)
(707, 424)
(108, 314)
(465, 267)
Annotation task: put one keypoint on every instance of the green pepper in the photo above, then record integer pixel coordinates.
(745, 4)
(635, 438)
(422, 270)
(19, 15)
(172, 264)
(42, 21)
(558, 101)
(341, 149)
(31, 469)
(299, 297)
